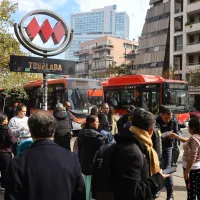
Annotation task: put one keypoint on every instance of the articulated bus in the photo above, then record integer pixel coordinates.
(148, 92)
(83, 94)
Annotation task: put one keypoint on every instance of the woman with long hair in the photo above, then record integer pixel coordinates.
(113, 117)
(89, 141)
(6, 140)
(191, 158)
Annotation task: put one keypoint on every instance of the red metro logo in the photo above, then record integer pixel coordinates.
(27, 34)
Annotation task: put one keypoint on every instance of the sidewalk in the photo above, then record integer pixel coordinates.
(179, 183)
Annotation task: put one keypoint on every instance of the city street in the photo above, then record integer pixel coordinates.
(179, 184)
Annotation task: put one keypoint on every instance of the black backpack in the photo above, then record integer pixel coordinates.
(157, 141)
(101, 184)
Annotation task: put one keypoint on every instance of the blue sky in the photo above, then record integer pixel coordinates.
(136, 10)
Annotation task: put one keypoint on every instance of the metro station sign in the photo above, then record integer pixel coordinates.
(59, 33)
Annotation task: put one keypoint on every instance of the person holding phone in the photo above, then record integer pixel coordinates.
(191, 158)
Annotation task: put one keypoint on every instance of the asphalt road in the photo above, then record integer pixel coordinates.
(179, 184)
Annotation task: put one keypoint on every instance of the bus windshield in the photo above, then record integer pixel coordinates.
(82, 102)
(176, 96)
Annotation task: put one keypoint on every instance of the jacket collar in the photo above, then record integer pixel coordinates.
(43, 142)
(128, 138)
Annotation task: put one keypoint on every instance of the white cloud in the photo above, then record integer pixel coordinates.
(136, 10)
(27, 6)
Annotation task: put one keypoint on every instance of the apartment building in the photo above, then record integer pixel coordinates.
(96, 56)
(153, 51)
(95, 24)
(185, 41)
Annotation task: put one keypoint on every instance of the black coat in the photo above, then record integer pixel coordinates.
(89, 141)
(131, 176)
(45, 171)
(6, 139)
(63, 132)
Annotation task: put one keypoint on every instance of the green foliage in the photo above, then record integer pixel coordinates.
(121, 70)
(194, 77)
(10, 81)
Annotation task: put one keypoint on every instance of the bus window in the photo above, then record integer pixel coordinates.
(113, 98)
(150, 101)
(130, 97)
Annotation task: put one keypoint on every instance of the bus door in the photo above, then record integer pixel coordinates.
(150, 99)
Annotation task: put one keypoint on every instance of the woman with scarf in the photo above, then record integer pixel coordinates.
(136, 172)
(89, 141)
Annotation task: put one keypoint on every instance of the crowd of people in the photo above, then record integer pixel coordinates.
(114, 157)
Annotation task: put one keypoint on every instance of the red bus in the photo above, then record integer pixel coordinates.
(83, 94)
(148, 92)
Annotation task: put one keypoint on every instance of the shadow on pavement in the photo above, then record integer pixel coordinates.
(179, 188)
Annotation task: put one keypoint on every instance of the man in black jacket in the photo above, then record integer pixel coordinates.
(45, 171)
(167, 123)
(134, 174)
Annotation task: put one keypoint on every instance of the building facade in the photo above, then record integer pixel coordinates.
(185, 42)
(153, 51)
(95, 24)
(96, 56)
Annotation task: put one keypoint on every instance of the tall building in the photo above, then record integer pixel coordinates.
(153, 51)
(95, 24)
(185, 41)
(97, 55)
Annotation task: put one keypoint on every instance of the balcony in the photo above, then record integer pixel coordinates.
(193, 6)
(192, 27)
(192, 47)
(82, 52)
(105, 57)
(102, 47)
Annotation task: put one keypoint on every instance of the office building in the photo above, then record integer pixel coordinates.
(95, 24)
(153, 51)
(185, 42)
(96, 56)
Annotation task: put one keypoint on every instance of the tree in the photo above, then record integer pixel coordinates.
(194, 77)
(121, 70)
(10, 46)
(170, 73)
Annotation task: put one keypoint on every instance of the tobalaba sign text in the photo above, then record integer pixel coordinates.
(41, 65)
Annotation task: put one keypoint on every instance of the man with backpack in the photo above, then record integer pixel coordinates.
(129, 169)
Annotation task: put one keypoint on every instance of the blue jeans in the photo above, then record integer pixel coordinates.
(166, 163)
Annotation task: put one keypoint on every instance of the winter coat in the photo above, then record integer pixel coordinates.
(6, 139)
(131, 172)
(63, 132)
(89, 141)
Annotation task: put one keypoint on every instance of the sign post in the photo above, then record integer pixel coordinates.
(59, 33)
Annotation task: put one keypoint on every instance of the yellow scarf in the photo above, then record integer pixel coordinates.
(146, 140)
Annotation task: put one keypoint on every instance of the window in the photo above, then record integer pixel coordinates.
(191, 39)
(178, 62)
(113, 98)
(178, 43)
(178, 24)
(178, 6)
(191, 59)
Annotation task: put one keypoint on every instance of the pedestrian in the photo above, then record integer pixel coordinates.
(89, 141)
(19, 126)
(166, 123)
(191, 159)
(62, 135)
(103, 118)
(94, 111)
(113, 118)
(135, 170)
(46, 170)
(22, 146)
(6, 140)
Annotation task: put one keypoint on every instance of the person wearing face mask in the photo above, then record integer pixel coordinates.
(89, 141)
(167, 125)
(19, 126)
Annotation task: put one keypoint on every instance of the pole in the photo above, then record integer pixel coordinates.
(45, 90)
